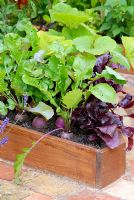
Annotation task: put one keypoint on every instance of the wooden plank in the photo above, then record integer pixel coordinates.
(63, 157)
(53, 154)
(111, 165)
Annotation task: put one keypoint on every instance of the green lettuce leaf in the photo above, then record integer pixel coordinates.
(104, 92)
(42, 109)
(67, 15)
(72, 98)
(128, 43)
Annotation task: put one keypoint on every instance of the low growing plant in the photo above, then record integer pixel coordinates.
(117, 18)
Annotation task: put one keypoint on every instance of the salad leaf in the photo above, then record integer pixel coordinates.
(42, 109)
(104, 92)
(83, 66)
(83, 43)
(102, 45)
(67, 15)
(109, 73)
(72, 98)
(120, 59)
(128, 43)
(3, 108)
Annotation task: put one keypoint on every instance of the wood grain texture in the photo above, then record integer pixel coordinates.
(110, 165)
(65, 157)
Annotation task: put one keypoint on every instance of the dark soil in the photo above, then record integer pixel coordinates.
(79, 136)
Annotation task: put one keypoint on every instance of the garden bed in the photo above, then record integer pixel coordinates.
(97, 167)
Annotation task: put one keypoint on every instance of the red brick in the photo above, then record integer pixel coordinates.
(87, 195)
(38, 196)
(6, 171)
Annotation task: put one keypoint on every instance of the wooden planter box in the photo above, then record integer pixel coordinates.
(96, 167)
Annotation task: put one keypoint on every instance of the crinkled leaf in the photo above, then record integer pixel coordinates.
(61, 48)
(95, 45)
(72, 98)
(45, 39)
(111, 142)
(30, 80)
(42, 109)
(109, 129)
(104, 92)
(3, 85)
(18, 46)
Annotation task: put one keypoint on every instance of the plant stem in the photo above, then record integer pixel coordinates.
(41, 138)
(12, 125)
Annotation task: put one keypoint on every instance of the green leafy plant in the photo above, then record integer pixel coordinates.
(60, 71)
(118, 18)
(71, 101)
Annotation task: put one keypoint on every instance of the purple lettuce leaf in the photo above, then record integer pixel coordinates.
(116, 66)
(111, 142)
(112, 118)
(101, 62)
(129, 105)
(108, 130)
(97, 119)
(127, 131)
(125, 101)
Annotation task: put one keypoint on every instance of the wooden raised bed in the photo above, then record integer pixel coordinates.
(96, 167)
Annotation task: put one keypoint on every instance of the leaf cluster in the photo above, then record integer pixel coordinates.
(59, 70)
(118, 18)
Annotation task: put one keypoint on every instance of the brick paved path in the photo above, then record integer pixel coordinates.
(40, 185)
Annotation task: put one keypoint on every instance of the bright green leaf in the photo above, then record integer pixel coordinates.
(11, 104)
(83, 43)
(102, 45)
(109, 73)
(83, 66)
(120, 59)
(3, 108)
(104, 92)
(67, 15)
(128, 43)
(72, 98)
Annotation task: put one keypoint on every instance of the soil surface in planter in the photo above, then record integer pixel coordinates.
(79, 136)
